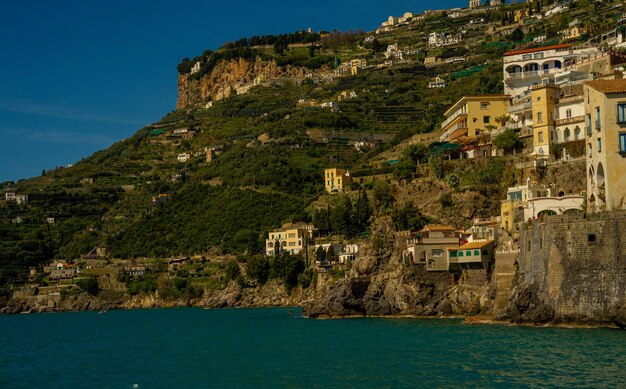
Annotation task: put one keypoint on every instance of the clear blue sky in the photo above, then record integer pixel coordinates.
(77, 76)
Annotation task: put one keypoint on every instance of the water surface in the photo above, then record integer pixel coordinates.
(195, 348)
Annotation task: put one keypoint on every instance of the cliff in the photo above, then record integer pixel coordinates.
(230, 77)
(379, 285)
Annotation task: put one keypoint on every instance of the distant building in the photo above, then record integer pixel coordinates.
(438, 82)
(21, 199)
(474, 4)
(184, 157)
(290, 239)
(9, 196)
(336, 180)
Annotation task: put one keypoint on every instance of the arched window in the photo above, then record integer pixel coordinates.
(566, 135)
(600, 176)
(576, 133)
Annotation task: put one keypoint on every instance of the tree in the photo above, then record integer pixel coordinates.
(517, 35)
(376, 46)
(89, 285)
(508, 140)
(320, 254)
(362, 212)
(454, 181)
(436, 166)
(382, 195)
(408, 217)
(258, 268)
(232, 270)
(342, 217)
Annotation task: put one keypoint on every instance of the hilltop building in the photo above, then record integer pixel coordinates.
(473, 115)
(291, 238)
(336, 180)
(474, 4)
(605, 110)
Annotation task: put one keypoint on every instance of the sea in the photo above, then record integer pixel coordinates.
(279, 348)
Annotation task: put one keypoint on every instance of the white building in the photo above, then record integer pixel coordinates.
(184, 157)
(526, 68)
(438, 82)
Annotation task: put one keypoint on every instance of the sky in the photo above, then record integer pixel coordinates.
(78, 76)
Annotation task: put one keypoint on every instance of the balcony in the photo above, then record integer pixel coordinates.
(530, 74)
(452, 118)
(572, 120)
(526, 106)
(455, 132)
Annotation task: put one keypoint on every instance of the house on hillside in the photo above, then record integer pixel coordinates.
(336, 180)
(291, 238)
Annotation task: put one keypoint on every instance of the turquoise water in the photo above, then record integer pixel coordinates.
(195, 348)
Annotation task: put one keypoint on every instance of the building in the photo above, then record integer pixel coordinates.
(184, 157)
(473, 115)
(196, 67)
(430, 246)
(290, 239)
(605, 111)
(471, 255)
(474, 4)
(544, 102)
(517, 198)
(9, 196)
(349, 253)
(484, 229)
(336, 180)
(438, 82)
(526, 68)
(21, 199)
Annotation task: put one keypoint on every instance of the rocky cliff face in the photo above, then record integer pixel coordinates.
(227, 77)
(379, 285)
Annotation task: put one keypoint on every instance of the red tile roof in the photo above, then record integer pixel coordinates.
(524, 51)
(608, 86)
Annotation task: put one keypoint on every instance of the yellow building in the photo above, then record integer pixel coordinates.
(472, 115)
(544, 101)
(291, 238)
(336, 180)
(605, 112)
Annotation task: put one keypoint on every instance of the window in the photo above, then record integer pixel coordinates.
(453, 254)
(484, 105)
(568, 113)
(589, 125)
(599, 145)
(477, 252)
(437, 253)
(460, 253)
(621, 113)
(468, 253)
(622, 142)
(598, 118)
(486, 119)
(540, 136)
(539, 117)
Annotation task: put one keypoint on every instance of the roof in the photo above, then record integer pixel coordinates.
(435, 227)
(475, 97)
(473, 245)
(608, 86)
(524, 51)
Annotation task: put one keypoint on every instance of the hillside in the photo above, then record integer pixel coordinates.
(255, 126)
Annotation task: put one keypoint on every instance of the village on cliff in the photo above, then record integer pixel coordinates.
(562, 108)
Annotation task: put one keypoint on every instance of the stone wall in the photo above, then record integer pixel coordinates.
(575, 266)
